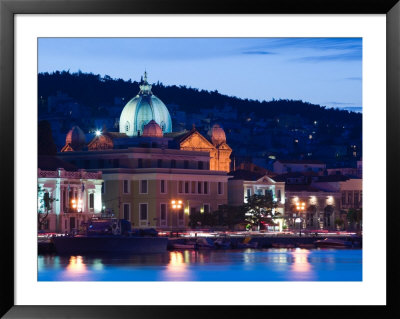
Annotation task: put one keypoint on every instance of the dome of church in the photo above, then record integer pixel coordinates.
(152, 129)
(143, 108)
(217, 135)
(75, 137)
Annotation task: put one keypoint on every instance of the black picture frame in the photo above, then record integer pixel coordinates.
(8, 10)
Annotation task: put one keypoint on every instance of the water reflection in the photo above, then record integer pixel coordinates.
(300, 261)
(76, 265)
(221, 265)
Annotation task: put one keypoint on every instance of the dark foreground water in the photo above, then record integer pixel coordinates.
(217, 265)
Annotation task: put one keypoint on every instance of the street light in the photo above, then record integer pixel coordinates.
(176, 205)
(300, 207)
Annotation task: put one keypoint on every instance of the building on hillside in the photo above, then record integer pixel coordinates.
(77, 198)
(244, 184)
(288, 166)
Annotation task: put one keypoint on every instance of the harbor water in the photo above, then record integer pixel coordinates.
(273, 264)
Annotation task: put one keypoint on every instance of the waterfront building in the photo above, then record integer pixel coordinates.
(312, 206)
(146, 166)
(141, 183)
(77, 197)
(350, 190)
(244, 184)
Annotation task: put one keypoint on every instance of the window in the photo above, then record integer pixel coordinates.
(115, 163)
(126, 186)
(349, 198)
(127, 211)
(163, 212)
(279, 195)
(199, 188)
(159, 163)
(143, 211)
(220, 188)
(140, 163)
(343, 198)
(173, 163)
(143, 186)
(162, 187)
(86, 164)
(103, 185)
(101, 163)
(180, 216)
(206, 208)
(356, 198)
(180, 187)
(193, 187)
(200, 165)
(91, 200)
(186, 187)
(268, 192)
(248, 192)
(205, 187)
(186, 164)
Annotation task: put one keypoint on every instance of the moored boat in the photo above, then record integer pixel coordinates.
(333, 243)
(111, 236)
(282, 245)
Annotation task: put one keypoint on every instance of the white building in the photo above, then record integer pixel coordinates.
(246, 183)
(76, 194)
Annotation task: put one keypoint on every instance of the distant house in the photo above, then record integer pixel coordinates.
(287, 166)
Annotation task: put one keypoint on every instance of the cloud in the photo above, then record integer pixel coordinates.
(354, 78)
(348, 56)
(340, 103)
(258, 52)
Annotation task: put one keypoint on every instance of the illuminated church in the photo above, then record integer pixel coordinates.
(145, 122)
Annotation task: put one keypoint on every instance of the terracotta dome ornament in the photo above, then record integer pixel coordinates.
(152, 129)
(218, 136)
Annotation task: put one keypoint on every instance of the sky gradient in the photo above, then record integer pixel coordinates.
(325, 71)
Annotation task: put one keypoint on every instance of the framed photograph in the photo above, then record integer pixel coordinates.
(169, 158)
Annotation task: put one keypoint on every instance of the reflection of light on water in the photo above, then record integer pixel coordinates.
(76, 265)
(300, 261)
(176, 268)
(187, 256)
(176, 262)
(97, 264)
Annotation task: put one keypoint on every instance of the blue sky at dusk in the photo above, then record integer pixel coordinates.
(325, 71)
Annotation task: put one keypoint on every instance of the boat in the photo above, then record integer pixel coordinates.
(333, 243)
(282, 245)
(111, 236)
(306, 246)
(246, 243)
(222, 243)
(204, 243)
(187, 244)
